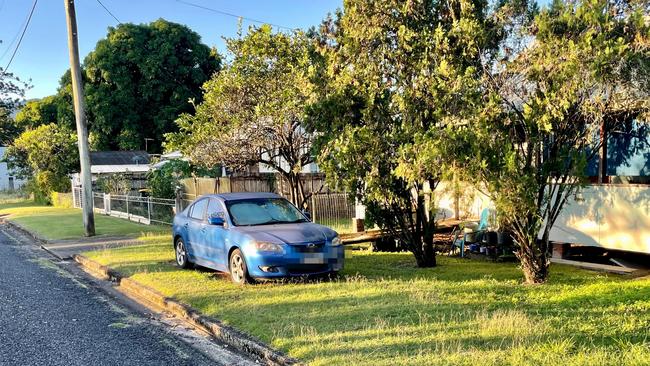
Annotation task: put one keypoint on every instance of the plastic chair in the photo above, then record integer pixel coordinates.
(459, 241)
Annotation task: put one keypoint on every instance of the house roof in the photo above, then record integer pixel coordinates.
(135, 157)
(109, 169)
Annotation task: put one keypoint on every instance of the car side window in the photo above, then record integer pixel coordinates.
(198, 210)
(215, 209)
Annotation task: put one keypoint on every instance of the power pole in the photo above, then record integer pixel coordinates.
(80, 117)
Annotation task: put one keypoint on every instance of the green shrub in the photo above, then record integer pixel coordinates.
(62, 200)
(46, 156)
(163, 181)
(118, 183)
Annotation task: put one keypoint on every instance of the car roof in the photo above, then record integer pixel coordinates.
(243, 195)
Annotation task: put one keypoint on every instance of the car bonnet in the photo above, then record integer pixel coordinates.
(288, 233)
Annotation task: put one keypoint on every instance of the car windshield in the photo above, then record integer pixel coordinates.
(263, 211)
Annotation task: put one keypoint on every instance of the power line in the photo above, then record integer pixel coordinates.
(233, 15)
(13, 41)
(29, 18)
(109, 12)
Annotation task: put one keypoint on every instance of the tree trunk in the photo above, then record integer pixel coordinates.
(428, 258)
(292, 188)
(302, 197)
(534, 258)
(429, 249)
(423, 235)
(297, 194)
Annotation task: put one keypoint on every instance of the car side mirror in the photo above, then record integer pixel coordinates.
(307, 214)
(216, 220)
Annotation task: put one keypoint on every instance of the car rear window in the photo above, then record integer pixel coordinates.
(198, 209)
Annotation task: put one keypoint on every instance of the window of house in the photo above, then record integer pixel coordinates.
(628, 150)
(628, 153)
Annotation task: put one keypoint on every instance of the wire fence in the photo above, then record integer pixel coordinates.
(335, 210)
(145, 210)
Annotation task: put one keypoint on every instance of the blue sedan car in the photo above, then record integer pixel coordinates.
(254, 235)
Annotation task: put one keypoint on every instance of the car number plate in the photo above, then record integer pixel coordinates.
(315, 258)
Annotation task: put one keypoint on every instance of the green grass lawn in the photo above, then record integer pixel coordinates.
(339, 225)
(66, 223)
(385, 311)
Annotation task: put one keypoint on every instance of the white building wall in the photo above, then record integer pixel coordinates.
(7, 179)
(608, 216)
(263, 168)
(470, 203)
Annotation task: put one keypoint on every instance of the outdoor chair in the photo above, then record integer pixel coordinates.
(470, 232)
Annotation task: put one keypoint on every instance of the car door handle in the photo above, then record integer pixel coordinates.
(186, 225)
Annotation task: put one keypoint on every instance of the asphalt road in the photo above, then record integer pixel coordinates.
(50, 317)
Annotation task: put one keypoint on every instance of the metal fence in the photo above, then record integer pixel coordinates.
(145, 210)
(335, 210)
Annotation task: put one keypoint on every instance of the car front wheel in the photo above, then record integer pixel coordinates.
(181, 254)
(238, 269)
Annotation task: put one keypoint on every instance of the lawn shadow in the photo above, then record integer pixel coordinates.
(402, 266)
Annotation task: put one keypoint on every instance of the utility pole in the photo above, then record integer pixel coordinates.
(80, 117)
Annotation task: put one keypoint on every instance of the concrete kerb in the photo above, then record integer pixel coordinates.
(26, 232)
(98, 270)
(64, 249)
(145, 295)
(30, 234)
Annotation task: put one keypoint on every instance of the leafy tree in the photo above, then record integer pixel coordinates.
(8, 128)
(12, 92)
(163, 181)
(586, 67)
(117, 183)
(253, 110)
(65, 106)
(38, 112)
(56, 108)
(46, 155)
(398, 73)
(139, 79)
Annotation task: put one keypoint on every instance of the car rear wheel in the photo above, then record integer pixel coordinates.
(238, 269)
(181, 254)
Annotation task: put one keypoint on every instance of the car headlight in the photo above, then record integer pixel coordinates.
(262, 246)
(336, 241)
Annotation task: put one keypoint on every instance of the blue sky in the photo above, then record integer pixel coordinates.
(43, 54)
